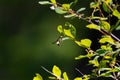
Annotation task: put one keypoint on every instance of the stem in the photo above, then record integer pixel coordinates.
(112, 35)
(116, 25)
(79, 71)
(108, 6)
(115, 76)
(116, 38)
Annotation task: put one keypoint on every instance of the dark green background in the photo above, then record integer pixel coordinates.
(27, 31)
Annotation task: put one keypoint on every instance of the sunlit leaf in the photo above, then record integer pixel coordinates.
(89, 55)
(53, 1)
(80, 57)
(78, 78)
(86, 43)
(93, 26)
(44, 2)
(106, 39)
(38, 77)
(56, 71)
(117, 45)
(70, 30)
(66, 6)
(107, 1)
(81, 9)
(50, 77)
(106, 47)
(60, 29)
(107, 57)
(68, 33)
(59, 10)
(86, 77)
(116, 13)
(105, 26)
(65, 77)
(95, 61)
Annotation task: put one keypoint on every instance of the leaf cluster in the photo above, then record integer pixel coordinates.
(105, 60)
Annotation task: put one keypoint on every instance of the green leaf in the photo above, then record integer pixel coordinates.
(104, 63)
(66, 6)
(86, 43)
(78, 78)
(105, 8)
(105, 26)
(81, 9)
(59, 10)
(104, 69)
(117, 68)
(70, 15)
(86, 77)
(118, 27)
(107, 1)
(38, 77)
(53, 1)
(106, 72)
(94, 5)
(50, 77)
(56, 71)
(93, 26)
(72, 4)
(89, 55)
(100, 18)
(60, 29)
(116, 13)
(80, 57)
(44, 2)
(68, 33)
(101, 51)
(106, 47)
(78, 42)
(106, 39)
(70, 30)
(65, 77)
(95, 61)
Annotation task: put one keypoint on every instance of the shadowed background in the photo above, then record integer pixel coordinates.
(27, 31)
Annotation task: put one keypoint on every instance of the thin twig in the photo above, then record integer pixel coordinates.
(79, 71)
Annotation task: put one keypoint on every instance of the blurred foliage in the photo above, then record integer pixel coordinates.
(27, 31)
